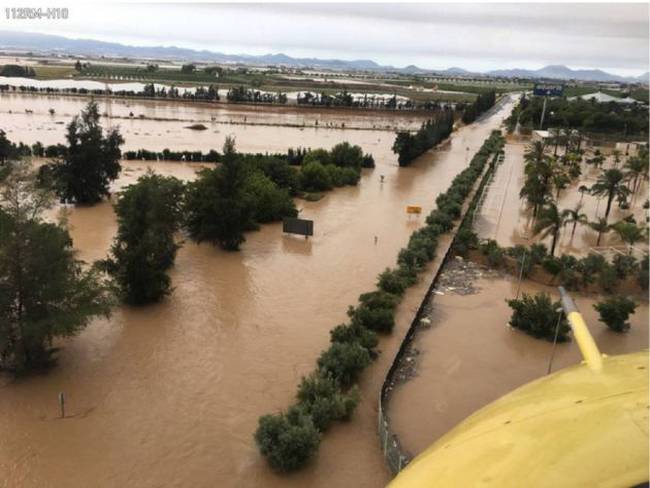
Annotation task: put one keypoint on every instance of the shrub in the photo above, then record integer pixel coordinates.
(615, 311)
(537, 253)
(423, 242)
(451, 208)
(375, 311)
(537, 316)
(569, 276)
(552, 265)
(355, 332)
(315, 177)
(343, 362)
(393, 281)
(608, 279)
(624, 265)
(269, 202)
(288, 441)
(495, 256)
(379, 320)
(320, 397)
(523, 257)
(466, 239)
(414, 259)
(590, 266)
(443, 220)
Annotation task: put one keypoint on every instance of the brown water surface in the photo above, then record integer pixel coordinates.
(169, 394)
(470, 357)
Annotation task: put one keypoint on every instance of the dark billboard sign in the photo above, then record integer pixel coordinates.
(548, 89)
(298, 226)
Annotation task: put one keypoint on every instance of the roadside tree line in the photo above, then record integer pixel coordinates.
(483, 103)
(409, 146)
(290, 439)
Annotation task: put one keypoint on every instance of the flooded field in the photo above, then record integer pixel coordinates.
(506, 217)
(158, 124)
(468, 358)
(169, 395)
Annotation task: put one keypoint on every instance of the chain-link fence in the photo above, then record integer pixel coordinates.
(395, 454)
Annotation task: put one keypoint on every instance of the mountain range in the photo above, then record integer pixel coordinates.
(50, 44)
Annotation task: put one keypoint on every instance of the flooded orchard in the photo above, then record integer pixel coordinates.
(170, 394)
(507, 218)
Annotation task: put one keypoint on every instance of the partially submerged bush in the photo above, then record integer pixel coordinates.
(538, 316)
(356, 333)
(343, 362)
(441, 219)
(375, 311)
(465, 240)
(624, 265)
(393, 281)
(288, 441)
(615, 311)
(321, 397)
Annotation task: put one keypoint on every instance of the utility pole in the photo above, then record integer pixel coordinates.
(541, 122)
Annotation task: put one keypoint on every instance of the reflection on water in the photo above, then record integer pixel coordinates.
(169, 394)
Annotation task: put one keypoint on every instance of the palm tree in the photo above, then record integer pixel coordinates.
(597, 160)
(535, 152)
(538, 169)
(601, 226)
(636, 167)
(611, 184)
(629, 232)
(549, 223)
(574, 216)
(560, 182)
(583, 189)
(617, 157)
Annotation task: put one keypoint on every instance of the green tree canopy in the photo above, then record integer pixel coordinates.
(45, 292)
(148, 215)
(218, 209)
(91, 160)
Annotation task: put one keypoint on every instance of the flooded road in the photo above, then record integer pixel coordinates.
(169, 395)
(506, 218)
(469, 358)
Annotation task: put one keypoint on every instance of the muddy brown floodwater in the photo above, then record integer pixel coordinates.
(470, 357)
(169, 394)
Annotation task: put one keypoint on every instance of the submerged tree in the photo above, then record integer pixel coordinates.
(610, 184)
(629, 232)
(615, 311)
(45, 292)
(549, 223)
(574, 216)
(148, 215)
(601, 226)
(218, 209)
(538, 316)
(91, 159)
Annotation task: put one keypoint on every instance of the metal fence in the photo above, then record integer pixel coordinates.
(395, 454)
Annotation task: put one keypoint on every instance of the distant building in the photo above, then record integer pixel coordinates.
(601, 97)
(541, 135)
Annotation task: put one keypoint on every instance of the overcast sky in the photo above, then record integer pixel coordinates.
(613, 37)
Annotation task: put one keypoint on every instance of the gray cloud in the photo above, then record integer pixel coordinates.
(474, 36)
